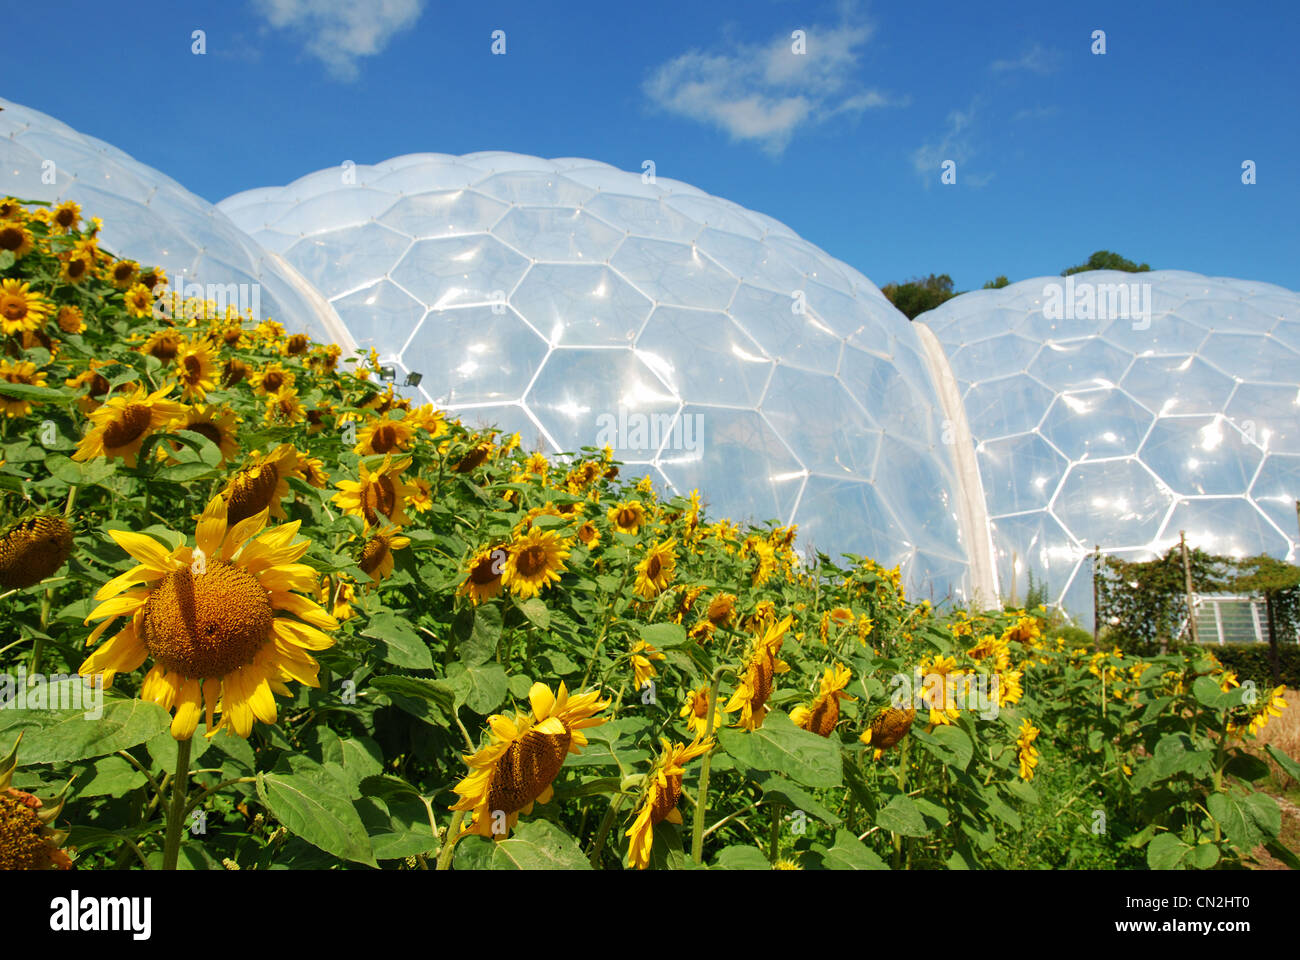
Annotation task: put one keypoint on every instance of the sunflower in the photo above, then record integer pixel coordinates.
(261, 484)
(483, 575)
(215, 423)
(377, 554)
(656, 571)
(721, 609)
(524, 755)
(154, 277)
(296, 344)
(1027, 753)
(271, 379)
(750, 695)
(65, 216)
(283, 407)
(32, 549)
(139, 301)
(70, 319)
(16, 239)
(696, 712)
(535, 561)
(76, 268)
(824, 713)
(474, 459)
(122, 273)
(234, 371)
(195, 370)
(339, 596)
(627, 516)
(589, 534)
(889, 726)
(207, 616)
(316, 418)
(422, 496)
(659, 801)
(312, 469)
(21, 308)
(27, 841)
(643, 670)
(24, 371)
(164, 344)
(123, 422)
(94, 381)
(766, 555)
(702, 631)
(943, 687)
(385, 436)
(381, 491)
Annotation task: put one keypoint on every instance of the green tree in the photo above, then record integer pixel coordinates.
(919, 294)
(997, 284)
(1105, 260)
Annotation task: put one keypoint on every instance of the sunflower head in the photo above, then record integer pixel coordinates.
(535, 561)
(377, 553)
(213, 619)
(656, 571)
(757, 681)
(663, 789)
(21, 308)
(483, 576)
(33, 549)
(888, 728)
(261, 484)
(381, 491)
(523, 757)
(27, 841)
(824, 713)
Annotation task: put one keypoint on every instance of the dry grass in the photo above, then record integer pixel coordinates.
(1283, 733)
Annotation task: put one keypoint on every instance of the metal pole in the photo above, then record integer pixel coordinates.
(1187, 583)
(1096, 613)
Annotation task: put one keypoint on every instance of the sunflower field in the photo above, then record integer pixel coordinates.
(260, 612)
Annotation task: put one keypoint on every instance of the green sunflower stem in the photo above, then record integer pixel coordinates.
(702, 800)
(176, 817)
(449, 845)
(774, 844)
(599, 847)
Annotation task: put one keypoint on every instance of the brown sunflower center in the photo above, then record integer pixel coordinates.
(653, 567)
(69, 320)
(890, 726)
(98, 386)
(193, 368)
(13, 308)
(380, 497)
(481, 573)
(526, 769)
(232, 335)
(384, 438)
(22, 847)
(164, 348)
(11, 238)
(77, 268)
(33, 550)
(235, 371)
(666, 799)
(531, 561)
(208, 430)
(123, 272)
(65, 217)
(272, 381)
(251, 492)
(297, 344)
(825, 714)
(373, 553)
(129, 427)
(626, 518)
(209, 624)
(473, 459)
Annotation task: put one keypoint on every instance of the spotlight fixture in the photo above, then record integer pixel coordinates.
(413, 379)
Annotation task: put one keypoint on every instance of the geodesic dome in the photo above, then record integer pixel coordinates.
(568, 300)
(1100, 426)
(151, 218)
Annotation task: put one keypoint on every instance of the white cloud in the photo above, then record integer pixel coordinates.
(1037, 59)
(765, 92)
(955, 144)
(339, 32)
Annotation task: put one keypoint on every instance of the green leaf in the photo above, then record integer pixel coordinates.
(1247, 819)
(742, 857)
(1204, 856)
(663, 636)
(901, 815)
(429, 700)
(1207, 692)
(27, 391)
(362, 758)
(535, 845)
(1166, 852)
(401, 645)
(1284, 761)
(185, 472)
(850, 853)
(308, 803)
(778, 744)
(950, 744)
(777, 788)
(1246, 766)
(398, 827)
(478, 634)
(480, 687)
(107, 777)
(535, 610)
(58, 736)
(519, 686)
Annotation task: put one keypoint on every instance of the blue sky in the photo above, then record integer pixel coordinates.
(1059, 152)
